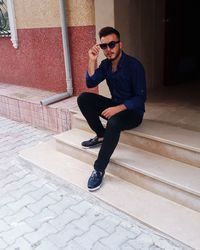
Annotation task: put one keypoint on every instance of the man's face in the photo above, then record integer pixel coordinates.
(111, 53)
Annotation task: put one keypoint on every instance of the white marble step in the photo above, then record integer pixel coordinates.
(167, 140)
(153, 210)
(172, 179)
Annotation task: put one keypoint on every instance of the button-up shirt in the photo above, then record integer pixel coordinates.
(127, 84)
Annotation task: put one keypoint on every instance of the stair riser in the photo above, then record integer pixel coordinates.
(148, 144)
(157, 186)
(79, 123)
(162, 148)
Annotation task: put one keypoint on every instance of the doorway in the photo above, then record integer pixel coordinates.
(163, 34)
(182, 51)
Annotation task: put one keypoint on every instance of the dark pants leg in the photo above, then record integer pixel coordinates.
(124, 120)
(92, 105)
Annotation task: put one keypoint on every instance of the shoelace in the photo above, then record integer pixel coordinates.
(93, 139)
(95, 174)
(96, 138)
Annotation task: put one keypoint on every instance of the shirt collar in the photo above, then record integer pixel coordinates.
(121, 61)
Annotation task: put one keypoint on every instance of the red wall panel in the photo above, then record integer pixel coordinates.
(39, 61)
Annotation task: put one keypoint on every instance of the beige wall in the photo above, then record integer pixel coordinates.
(80, 12)
(45, 13)
(37, 13)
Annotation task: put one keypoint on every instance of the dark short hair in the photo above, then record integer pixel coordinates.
(108, 31)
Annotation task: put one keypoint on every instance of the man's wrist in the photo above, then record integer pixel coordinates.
(91, 66)
(122, 107)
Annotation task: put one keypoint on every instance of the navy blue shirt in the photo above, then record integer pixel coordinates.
(127, 84)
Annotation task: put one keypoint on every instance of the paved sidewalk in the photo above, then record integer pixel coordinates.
(39, 213)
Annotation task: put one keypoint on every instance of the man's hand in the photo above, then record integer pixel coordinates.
(94, 52)
(107, 113)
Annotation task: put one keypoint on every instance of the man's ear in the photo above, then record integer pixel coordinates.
(121, 45)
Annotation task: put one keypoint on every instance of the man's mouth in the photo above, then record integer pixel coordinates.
(109, 54)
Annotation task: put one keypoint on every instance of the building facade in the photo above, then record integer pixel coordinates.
(38, 60)
(160, 33)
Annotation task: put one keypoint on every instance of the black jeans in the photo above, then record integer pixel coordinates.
(91, 106)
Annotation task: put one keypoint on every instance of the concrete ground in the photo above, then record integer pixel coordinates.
(177, 105)
(37, 212)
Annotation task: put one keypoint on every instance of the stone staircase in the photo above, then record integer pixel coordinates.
(153, 175)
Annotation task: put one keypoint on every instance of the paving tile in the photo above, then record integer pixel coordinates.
(20, 216)
(4, 226)
(20, 244)
(39, 205)
(13, 234)
(39, 213)
(36, 220)
(37, 235)
(143, 241)
(82, 207)
(63, 219)
(118, 237)
(61, 238)
(19, 204)
(109, 224)
(3, 244)
(5, 211)
(86, 221)
(45, 245)
(89, 239)
(59, 207)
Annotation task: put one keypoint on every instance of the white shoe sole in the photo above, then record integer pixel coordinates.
(94, 189)
(95, 146)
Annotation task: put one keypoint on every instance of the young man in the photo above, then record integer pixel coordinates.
(125, 77)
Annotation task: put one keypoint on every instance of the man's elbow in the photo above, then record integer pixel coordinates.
(89, 85)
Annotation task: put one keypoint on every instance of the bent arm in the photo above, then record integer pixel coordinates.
(98, 76)
(139, 98)
(94, 76)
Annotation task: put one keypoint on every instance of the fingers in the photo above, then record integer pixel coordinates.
(113, 110)
(107, 113)
(96, 48)
(94, 51)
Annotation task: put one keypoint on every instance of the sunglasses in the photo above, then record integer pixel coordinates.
(111, 45)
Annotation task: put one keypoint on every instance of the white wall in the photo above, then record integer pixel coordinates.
(104, 16)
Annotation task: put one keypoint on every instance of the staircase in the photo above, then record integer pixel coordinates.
(153, 175)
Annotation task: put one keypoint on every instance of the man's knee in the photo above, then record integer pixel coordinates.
(85, 97)
(113, 123)
(81, 98)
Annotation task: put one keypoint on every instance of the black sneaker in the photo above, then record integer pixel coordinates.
(95, 180)
(94, 142)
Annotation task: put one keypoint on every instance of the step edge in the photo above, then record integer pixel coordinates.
(153, 137)
(165, 141)
(184, 241)
(168, 182)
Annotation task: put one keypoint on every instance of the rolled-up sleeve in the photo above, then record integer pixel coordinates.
(139, 86)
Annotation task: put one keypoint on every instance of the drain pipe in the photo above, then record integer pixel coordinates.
(65, 40)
